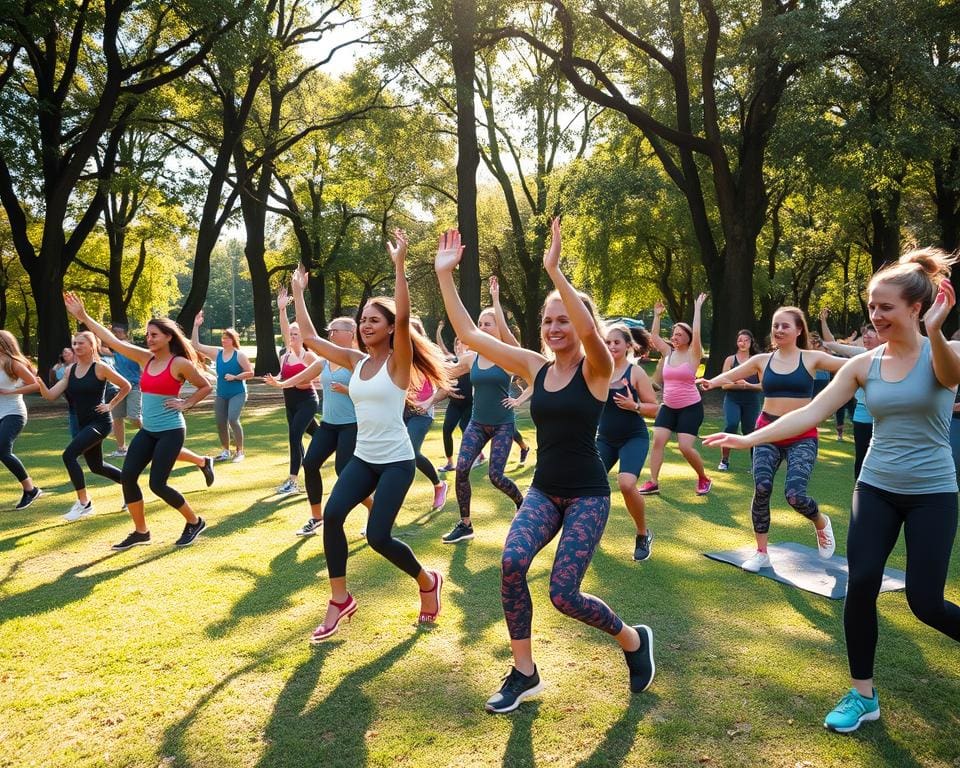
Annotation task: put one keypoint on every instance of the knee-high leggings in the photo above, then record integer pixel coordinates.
(10, 427)
(417, 427)
(538, 521)
(800, 457)
(159, 449)
(88, 443)
(300, 413)
(457, 415)
(929, 521)
(227, 411)
(500, 437)
(327, 440)
(389, 484)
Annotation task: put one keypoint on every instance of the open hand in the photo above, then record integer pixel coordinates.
(198, 320)
(551, 259)
(726, 440)
(74, 305)
(449, 251)
(946, 297)
(398, 250)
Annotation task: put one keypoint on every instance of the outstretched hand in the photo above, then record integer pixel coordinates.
(299, 279)
(659, 307)
(551, 259)
(701, 299)
(494, 288)
(74, 305)
(935, 316)
(726, 440)
(283, 297)
(824, 313)
(705, 384)
(449, 251)
(198, 320)
(272, 381)
(398, 250)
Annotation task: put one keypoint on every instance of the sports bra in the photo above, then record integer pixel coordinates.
(163, 383)
(798, 383)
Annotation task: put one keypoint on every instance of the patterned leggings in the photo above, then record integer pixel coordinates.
(474, 438)
(800, 457)
(538, 521)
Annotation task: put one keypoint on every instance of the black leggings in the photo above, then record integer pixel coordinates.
(457, 415)
(862, 432)
(358, 480)
(417, 427)
(10, 427)
(329, 438)
(929, 521)
(300, 415)
(88, 443)
(160, 450)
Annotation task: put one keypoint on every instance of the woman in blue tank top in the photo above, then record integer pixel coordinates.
(907, 480)
(570, 495)
(337, 433)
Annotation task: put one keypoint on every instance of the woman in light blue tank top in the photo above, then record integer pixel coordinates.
(907, 479)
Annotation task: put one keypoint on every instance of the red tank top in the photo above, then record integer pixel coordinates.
(288, 370)
(163, 383)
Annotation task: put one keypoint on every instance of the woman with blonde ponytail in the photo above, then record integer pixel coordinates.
(907, 480)
(17, 378)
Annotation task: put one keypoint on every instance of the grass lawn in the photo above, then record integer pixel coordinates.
(199, 657)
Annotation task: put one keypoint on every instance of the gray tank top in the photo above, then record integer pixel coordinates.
(910, 449)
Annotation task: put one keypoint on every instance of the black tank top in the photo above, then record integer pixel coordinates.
(568, 463)
(465, 388)
(616, 424)
(85, 394)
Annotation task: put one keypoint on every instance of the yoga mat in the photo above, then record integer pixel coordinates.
(801, 567)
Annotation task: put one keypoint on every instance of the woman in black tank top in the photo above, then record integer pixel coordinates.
(85, 382)
(570, 495)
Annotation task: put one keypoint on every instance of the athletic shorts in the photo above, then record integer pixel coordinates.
(684, 421)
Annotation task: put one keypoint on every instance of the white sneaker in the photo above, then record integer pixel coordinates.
(117, 454)
(756, 562)
(224, 455)
(288, 487)
(238, 457)
(79, 510)
(826, 544)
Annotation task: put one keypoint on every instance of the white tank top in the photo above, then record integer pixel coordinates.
(11, 405)
(381, 434)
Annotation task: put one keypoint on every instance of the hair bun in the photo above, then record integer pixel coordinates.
(935, 262)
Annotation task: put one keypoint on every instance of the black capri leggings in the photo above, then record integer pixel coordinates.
(389, 484)
(329, 438)
(929, 521)
(88, 443)
(160, 450)
(10, 427)
(300, 413)
(457, 415)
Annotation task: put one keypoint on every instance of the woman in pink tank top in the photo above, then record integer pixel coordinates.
(682, 409)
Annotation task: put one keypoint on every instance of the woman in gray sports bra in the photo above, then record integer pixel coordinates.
(907, 480)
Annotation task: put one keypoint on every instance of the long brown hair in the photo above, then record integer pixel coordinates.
(180, 346)
(803, 340)
(10, 350)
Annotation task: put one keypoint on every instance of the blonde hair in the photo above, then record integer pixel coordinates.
(10, 351)
(917, 274)
(93, 341)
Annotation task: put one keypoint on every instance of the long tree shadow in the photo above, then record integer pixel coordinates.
(620, 736)
(476, 595)
(333, 732)
(519, 750)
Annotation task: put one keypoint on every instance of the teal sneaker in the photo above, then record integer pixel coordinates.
(852, 710)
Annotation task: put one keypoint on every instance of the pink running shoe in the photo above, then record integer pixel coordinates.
(704, 484)
(440, 495)
(649, 488)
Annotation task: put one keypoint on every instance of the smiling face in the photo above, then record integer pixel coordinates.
(784, 330)
(680, 338)
(556, 330)
(342, 334)
(617, 345)
(870, 338)
(890, 313)
(157, 339)
(375, 327)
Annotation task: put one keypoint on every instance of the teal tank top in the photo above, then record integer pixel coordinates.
(490, 387)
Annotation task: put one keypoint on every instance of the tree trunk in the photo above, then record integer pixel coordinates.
(53, 328)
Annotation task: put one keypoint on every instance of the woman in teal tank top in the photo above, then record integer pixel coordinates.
(907, 480)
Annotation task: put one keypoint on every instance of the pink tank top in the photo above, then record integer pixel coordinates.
(289, 370)
(679, 387)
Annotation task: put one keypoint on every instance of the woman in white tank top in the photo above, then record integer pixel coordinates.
(15, 370)
(383, 461)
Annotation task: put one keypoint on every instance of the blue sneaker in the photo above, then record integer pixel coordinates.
(852, 710)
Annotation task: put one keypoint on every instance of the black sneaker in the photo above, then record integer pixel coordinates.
(640, 662)
(461, 532)
(135, 539)
(29, 497)
(310, 527)
(190, 532)
(641, 551)
(207, 469)
(516, 687)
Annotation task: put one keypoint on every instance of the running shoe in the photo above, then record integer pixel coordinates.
(207, 469)
(135, 539)
(311, 527)
(224, 455)
(238, 457)
(461, 532)
(516, 687)
(524, 452)
(78, 510)
(826, 543)
(640, 662)
(723, 466)
(448, 467)
(290, 486)
(29, 497)
(649, 488)
(641, 550)
(852, 710)
(190, 532)
(704, 484)
(440, 495)
(757, 561)
(117, 454)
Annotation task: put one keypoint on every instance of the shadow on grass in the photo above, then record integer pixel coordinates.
(519, 749)
(476, 596)
(620, 736)
(333, 732)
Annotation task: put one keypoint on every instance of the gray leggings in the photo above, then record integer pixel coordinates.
(227, 410)
(800, 456)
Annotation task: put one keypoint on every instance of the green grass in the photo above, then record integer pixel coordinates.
(161, 657)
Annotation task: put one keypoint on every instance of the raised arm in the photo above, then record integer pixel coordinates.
(204, 349)
(402, 357)
(661, 346)
(825, 333)
(283, 298)
(826, 362)
(945, 354)
(696, 343)
(76, 309)
(523, 362)
(599, 361)
(439, 334)
(506, 335)
(344, 356)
